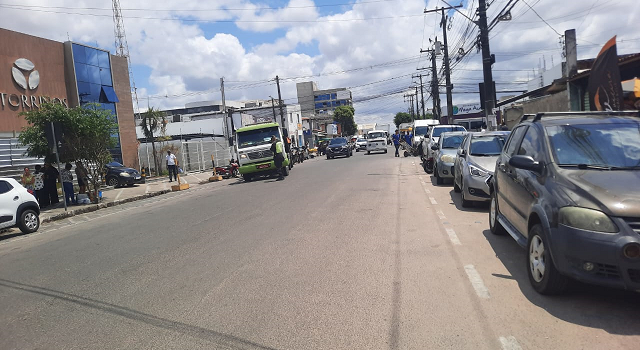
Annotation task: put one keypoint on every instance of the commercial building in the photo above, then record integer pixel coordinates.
(318, 106)
(34, 70)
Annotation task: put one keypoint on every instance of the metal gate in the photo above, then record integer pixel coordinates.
(199, 155)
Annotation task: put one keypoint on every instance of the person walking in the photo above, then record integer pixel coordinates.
(396, 142)
(28, 181)
(50, 183)
(172, 167)
(38, 186)
(278, 157)
(67, 184)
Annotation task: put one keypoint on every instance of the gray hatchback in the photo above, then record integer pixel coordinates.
(566, 187)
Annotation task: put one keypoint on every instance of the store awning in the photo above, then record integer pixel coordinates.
(109, 94)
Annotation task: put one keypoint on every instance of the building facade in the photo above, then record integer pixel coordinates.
(35, 70)
(317, 103)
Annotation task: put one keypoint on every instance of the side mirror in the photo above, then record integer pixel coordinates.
(526, 163)
(462, 152)
(434, 147)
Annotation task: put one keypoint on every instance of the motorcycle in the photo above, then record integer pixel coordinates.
(228, 171)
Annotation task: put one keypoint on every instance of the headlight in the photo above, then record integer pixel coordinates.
(586, 219)
(477, 171)
(125, 174)
(243, 156)
(447, 158)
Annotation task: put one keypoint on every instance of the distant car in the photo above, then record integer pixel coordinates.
(338, 147)
(445, 154)
(18, 207)
(566, 188)
(118, 175)
(475, 163)
(361, 144)
(376, 141)
(431, 139)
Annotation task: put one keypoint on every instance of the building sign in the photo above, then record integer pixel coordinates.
(343, 95)
(27, 78)
(469, 108)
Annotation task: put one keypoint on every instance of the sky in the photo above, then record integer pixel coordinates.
(180, 49)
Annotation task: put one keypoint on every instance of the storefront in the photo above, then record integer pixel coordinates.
(34, 70)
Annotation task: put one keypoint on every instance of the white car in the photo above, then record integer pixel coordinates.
(361, 144)
(432, 139)
(376, 141)
(18, 207)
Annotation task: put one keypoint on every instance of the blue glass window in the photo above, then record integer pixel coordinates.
(108, 95)
(105, 76)
(103, 59)
(92, 56)
(334, 96)
(316, 98)
(110, 107)
(78, 54)
(318, 105)
(93, 74)
(81, 72)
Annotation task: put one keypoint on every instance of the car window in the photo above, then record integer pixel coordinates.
(531, 144)
(452, 141)
(514, 140)
(338, 141)
(487, 145)
(5, 187)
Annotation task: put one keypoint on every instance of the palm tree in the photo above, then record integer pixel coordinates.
(150, 123)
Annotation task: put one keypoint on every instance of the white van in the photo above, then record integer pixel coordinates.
(421, 128)
(376, 141)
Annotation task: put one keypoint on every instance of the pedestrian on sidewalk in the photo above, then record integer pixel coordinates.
(81, 176)
(67, 184)
(396, 142)
(28, 180)
(172, 167)
(38, 186)
(50, 183)
(278, 157)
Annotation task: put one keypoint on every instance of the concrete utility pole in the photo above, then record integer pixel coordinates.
(487, 62)
(280, 103)
(571, 53)
(273, 108)
(424, 114)
(447, 75)
(435, 93)
(225, 132)
(410, 96)
(417, 107)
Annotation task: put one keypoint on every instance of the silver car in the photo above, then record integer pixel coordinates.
(476, 161)
(445, 152)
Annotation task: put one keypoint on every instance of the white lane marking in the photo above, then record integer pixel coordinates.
(509, 343)
(440, 215)
(426, 190)
(476, 281)
(433, 200)
(119, 193)
(453, 237)
(146, 190)
(71, 221)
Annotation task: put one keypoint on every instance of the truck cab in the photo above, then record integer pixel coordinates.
(253, 145)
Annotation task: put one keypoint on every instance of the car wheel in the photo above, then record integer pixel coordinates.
(543, 275)
(130, 185)
(456, 188)
(29, 221)
(439, 180)
(465, 203)
(357, 150)
(494, 225)
(368, 152)
(247, 177)
(113, 181)
(406, 154)
(385, 151)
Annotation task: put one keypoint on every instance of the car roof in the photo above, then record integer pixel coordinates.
(10, 179)
(489, 133)
(453, 133)
(586, 117)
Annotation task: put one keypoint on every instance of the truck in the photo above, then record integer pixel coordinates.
(421, 128)
(253, 146)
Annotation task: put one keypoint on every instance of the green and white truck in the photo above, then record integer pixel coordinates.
(253, 146)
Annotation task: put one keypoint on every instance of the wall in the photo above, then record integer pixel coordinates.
(126, 122)
(551, 103)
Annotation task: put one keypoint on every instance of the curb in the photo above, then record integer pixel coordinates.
(99, 206)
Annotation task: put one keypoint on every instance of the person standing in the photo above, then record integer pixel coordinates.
(67, 184)
(81, 176)
(278, 157)
(50, 181)
(172, 167)
(28, 180)
(396, 142)
(408, 138)
(38, 186)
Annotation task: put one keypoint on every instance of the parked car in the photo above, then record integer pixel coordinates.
(361, 144)
(566, 188)
(475, 163)
(445, 154)
(118, 175)
(431, 139)
(376, 141)
(18, 207)
(338, 147)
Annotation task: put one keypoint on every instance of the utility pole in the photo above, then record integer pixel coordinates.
(447, 75)
(410, 96)
(273, 108)
(487, 61)
(435, 94)
(225, 132)
(424, 115)
(417, 107)
(280, 103)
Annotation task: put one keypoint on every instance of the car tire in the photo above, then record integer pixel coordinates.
(130, 185)
(543, 275)
(247, 177)
(439, 180)
(465, 203)
(368, 152)
(406, 154)
(456, 188)
(29, 221)
(494, 225)
(385, 151)
(357, 150)
(113, 181)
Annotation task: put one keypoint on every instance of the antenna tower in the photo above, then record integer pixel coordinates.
(122, 48)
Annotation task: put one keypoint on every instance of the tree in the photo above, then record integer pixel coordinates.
(152, 121)
(344, 116)
(401, 117)
(87, 137)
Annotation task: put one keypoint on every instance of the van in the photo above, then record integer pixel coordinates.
(421, 128)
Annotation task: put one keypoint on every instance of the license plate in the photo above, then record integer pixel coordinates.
(263, 166)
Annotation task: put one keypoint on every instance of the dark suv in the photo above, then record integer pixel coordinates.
(567, 187)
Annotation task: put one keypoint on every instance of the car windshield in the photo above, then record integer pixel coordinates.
(611, 145)
(375, 135)
(438, 131)
(487, 145)
(361, 140)
(338, 141)
(115, 165)
(257, 137)
(421, 130)
(452, 141)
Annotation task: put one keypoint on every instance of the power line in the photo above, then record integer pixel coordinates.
(537, 14)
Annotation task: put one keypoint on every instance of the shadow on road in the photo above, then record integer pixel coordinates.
(478, 207)
(613, 310)
(220, 339)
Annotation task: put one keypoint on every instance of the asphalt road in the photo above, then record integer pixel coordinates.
(357, 253)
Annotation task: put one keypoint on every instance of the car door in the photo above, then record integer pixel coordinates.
(458, 167)
(525, 190)
(505, 174)
(8, 204)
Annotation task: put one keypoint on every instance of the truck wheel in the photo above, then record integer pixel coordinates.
(247, 177)
(286, 171)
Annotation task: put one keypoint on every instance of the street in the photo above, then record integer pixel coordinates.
(350, 253)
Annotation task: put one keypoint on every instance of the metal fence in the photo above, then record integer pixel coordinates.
(193, 155)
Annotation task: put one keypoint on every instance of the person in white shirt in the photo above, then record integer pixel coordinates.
(172, 166)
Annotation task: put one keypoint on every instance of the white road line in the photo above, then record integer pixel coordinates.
(71, 221)
(119, 193)
(453, 237)
(509, 343)
(146, 190)
(441, 215)
(433, 200)
(426, 190)
(476, 281)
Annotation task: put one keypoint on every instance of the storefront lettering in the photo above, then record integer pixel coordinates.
(28, 102)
